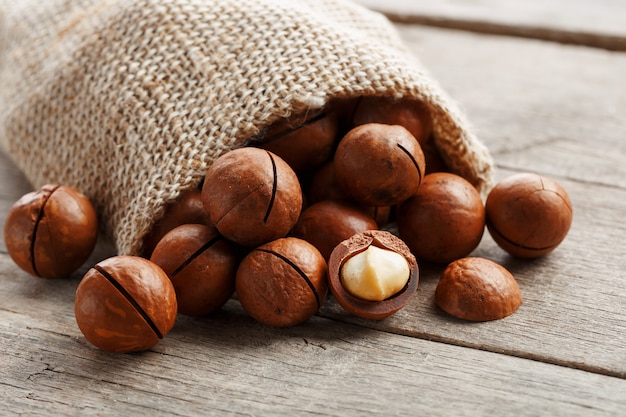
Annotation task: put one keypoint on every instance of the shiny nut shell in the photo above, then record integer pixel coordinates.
(444, 220)
(376, 310)
(282, 283)
(51, 232)
(252, 196)
(125, 304)
(379, 165)
(528, 215)
(201, 265)
(477, 289)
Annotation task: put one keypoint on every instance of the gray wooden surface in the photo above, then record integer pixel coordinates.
(539, 106)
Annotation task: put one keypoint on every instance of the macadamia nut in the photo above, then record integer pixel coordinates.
(528, 215)
(51, 232)
(477, 289)
(252, 196)
(375, 274)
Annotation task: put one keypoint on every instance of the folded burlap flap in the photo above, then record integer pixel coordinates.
(130, 101)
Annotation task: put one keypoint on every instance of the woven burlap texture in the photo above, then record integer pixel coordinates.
(130, 101)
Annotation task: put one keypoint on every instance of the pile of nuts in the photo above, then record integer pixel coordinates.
(293, 216)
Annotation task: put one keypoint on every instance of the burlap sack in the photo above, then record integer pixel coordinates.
(131, 100)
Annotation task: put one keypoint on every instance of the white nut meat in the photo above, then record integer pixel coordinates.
(375, 274)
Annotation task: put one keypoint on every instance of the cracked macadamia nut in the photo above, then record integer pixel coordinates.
(477, 289)
(282, 283)
(379, 165)
(528, 215)
(201, 265)
(51, 232)
(252, 196)
(372, 274)
(444, 220)
(125, 304)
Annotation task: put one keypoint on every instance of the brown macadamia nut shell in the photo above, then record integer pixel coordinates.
(375, 310)
(328, 223)
(282, 283)
(411, 114)
(324, 187)
(125, 304)
(444, 220)
(252, 196)
(51, 232)
(379, 165)
(528, 215)
(477, 289)
(201, 265)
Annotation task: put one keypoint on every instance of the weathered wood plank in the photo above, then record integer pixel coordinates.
(598, 24)
(229, 365)
(536, 105)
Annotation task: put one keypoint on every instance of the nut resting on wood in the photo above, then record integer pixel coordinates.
(125, 304)
(528, 215)
(283, 282)
(51, 232)
(444, 220)
(477, 289)
(201, 265)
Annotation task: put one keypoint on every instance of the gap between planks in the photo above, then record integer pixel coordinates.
(594, 40)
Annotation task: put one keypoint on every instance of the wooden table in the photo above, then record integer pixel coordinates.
(539, 105)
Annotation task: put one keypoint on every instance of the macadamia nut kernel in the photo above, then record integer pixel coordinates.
(375, 274)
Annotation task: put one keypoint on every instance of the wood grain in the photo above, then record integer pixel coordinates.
(597, 24)
(230, 365)
(537, 105)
